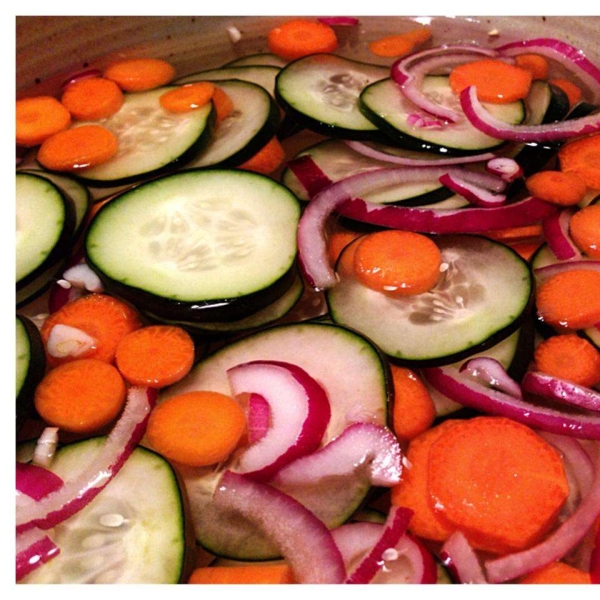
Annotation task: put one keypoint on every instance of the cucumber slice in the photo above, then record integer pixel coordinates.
(479, 300)
(134, 531)
(199, 245)
(261, 75)
(390, 111)
(321, 92)
(240, 136)
(151, 139)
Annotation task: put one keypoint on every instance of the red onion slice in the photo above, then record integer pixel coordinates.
(491, 373)
(485, 122)
(302, 539)
(462, 561)
(299, 414)
(33, 549)
(79, 492)
(473, 193)
(259, 418)
(36, 481)
(339, 21)
(506, 168)
(80, 75)
(556, 233)
(595, 560)
(464, 390)
(556, 545)
(561, 390)
(309, 174)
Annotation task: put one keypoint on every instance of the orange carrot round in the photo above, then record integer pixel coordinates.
(81, 396)
(584, 229)
(300, 37)
(497, 482)
(155, 356)
(536, 64)
(582, 158)
(188, 97)
(337, 241)
(496, 81)
(557, 573)
(570, 300)
(140, 74)
(573, 92)
(92, 99)
(557, 187)
(569, 357)
(222, 104)
(267, 159)
(392, 46)
(196, 428)
(414, 411)
(246, 574)
(38, 118)
(102, 317)
(78, 148)
(398, 263)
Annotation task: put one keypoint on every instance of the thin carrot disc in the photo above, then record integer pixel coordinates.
(573, 92)
(569, 357)
(300, 37)
(584, 229)
(38, 118)
(398, 263)
(582, 158)
(338, 240)
(155, 356)
(81, 396)
(496, 81)
(196, 428)
(78, 148)
(267, 159)
(497, 482)
(570, 300)
(92, 99)
(140, 74)
(222, 104)
(557, 187)
(187, 97)
(250, 574)
(392, 46)
(536, 64)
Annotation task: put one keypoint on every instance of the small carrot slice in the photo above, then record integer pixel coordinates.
(222, 104)
(81, 396)
(392, 46)
(78, 148)
(338, 240)
(536, 64)
(516, 234)
(196, 428)
(412, 491)
(92, 99)
(155, 356)
(569, 357)
(497, 482)
(247, 574)
(398, 263)
(140, 74)
(188, 97)
(570, 300)
(267, 159)
(582, 158)
(414, 410)
(557, 187)
(102, 317)
(557, 573)
(573, 92)
(38, 118)
(496, 81)
(300, 37)
(584, 229)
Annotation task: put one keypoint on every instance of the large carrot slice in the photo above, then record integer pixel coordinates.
(139, 74)
(582, 157)
(584, 229)
(38, 118)
(557, 187)
(300, 37)
(92, 99)
(247, 574)
(557, 573)
(187, 97)
(497, 482)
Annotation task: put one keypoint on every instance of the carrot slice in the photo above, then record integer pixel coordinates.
(102, 317)
(557, 573)
(401, 44)
(140, 74)
(247, 574)
(38, 118)
(570, 300)
(516, 234)
(582, 158)
(338, 240)
(536, 64)
(196, 428)
(584, 229)
(300, 37)
(496, 81)
(155, 356)
(187, 97)
(412, 491)
(267, 159)
(414, 410)
(78, 148)
(81, 396)
(569, 357)
(572, 91)
(497, 482)
(398, 263)
(222, 103)
(92, 99)
(557, 187)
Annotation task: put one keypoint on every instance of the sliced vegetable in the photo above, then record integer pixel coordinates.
(250, 574)
(584, 230)
(459, 557)
(300, 37)
(140, 74)
(39, 117)
(572, 91)
(557, 573)
(267, 159)
(536, 64)
(561, 390)
(558, 187)
(92, 99)
(580, 157)
(188, 97)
